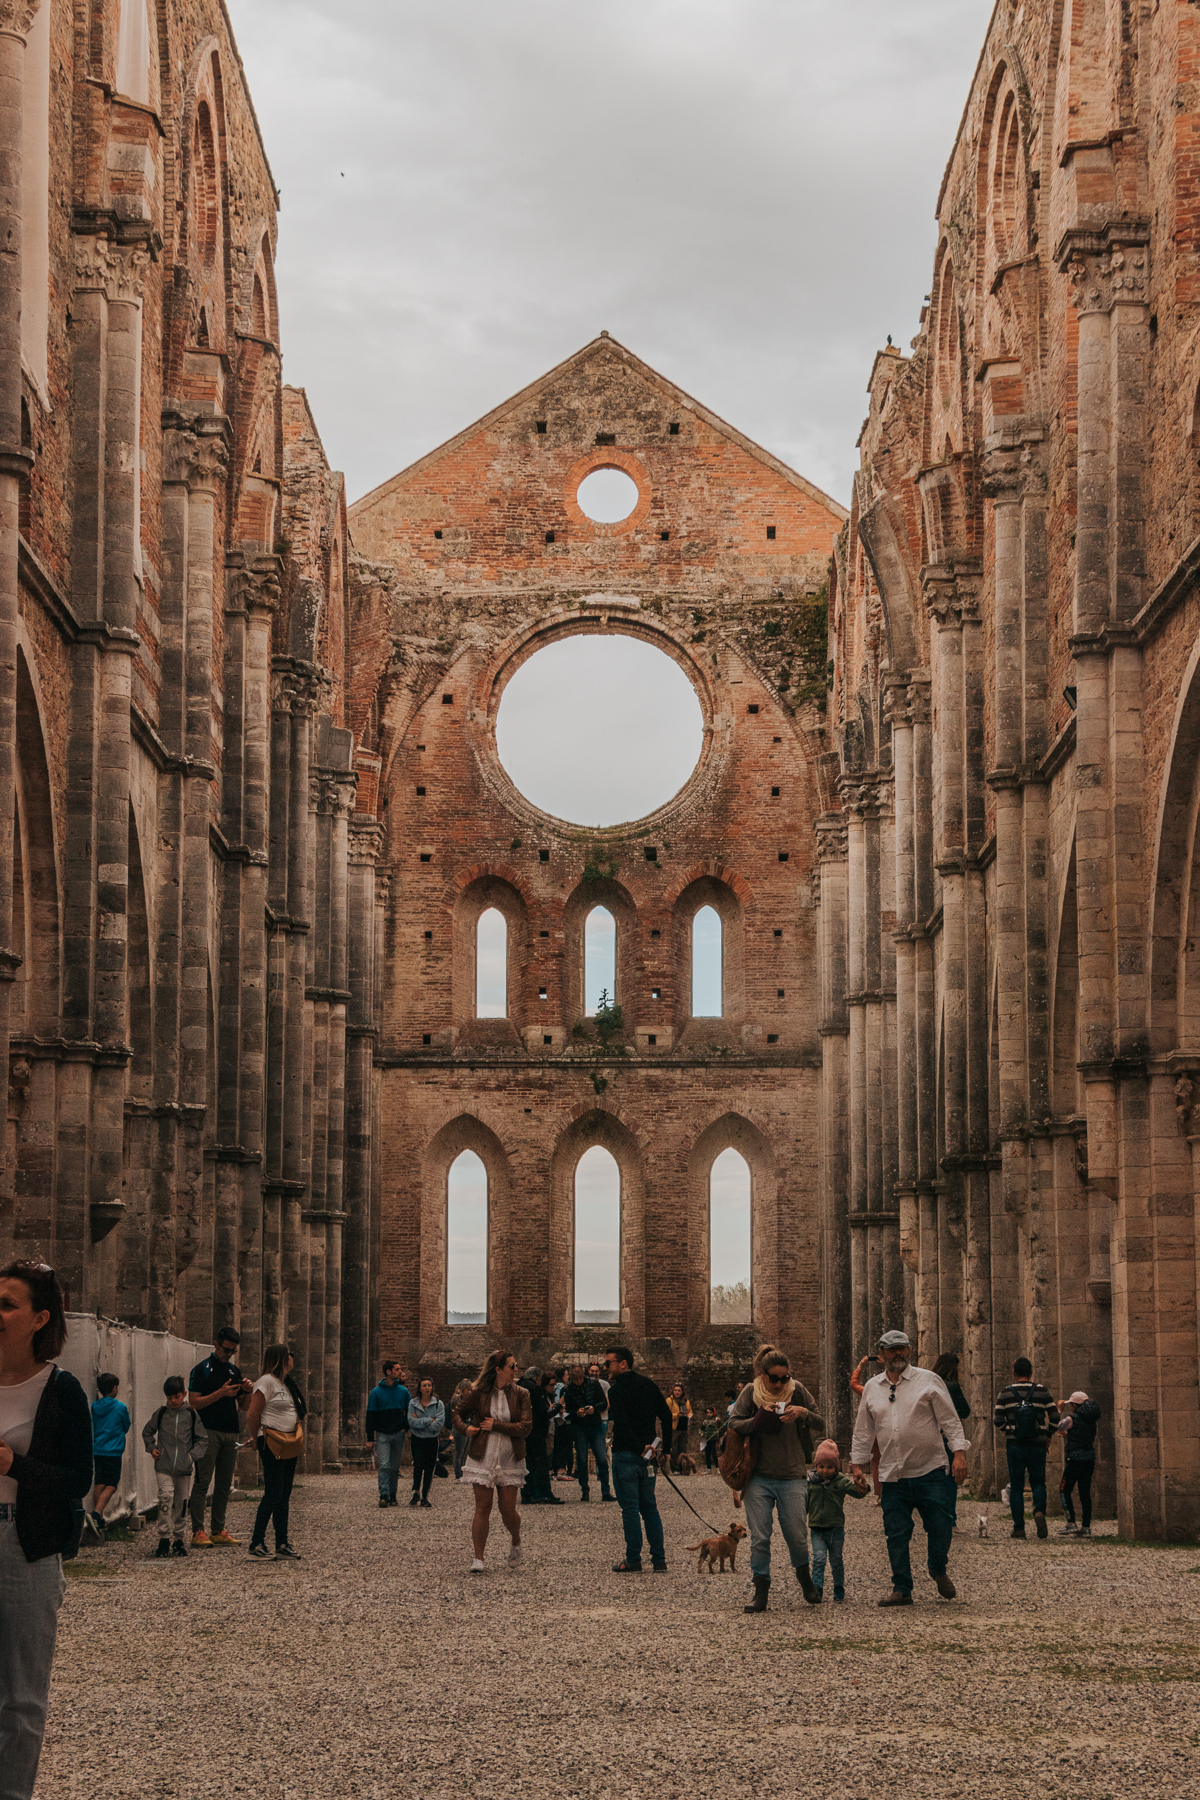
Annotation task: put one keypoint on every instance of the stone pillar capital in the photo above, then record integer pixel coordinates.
(17, 16)
(331, 791)
(1107, 265)
(298, 687)
(118, 271)
(951, 593)
(366, 843)
(1012, 468)
(195, 452)
(831, 837)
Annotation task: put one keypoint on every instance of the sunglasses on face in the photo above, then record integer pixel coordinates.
(776, 1379)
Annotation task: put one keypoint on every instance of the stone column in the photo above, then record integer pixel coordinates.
(856, 928)
(365, 841)
(833, 1174)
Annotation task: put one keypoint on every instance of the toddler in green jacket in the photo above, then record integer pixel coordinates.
(827, 1491)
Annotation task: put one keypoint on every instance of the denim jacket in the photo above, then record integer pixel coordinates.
(426, 1421)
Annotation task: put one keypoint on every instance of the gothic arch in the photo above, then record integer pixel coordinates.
(733, 1131)
(711, 890)
(1174, 1023)
(465, 1132)
(619, 902)
(477, 897)
(597, 1125)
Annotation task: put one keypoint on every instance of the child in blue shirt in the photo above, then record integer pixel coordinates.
(110, 1428)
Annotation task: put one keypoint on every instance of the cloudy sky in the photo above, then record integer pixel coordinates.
(739, 190)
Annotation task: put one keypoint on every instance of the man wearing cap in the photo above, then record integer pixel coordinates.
(907, 1412)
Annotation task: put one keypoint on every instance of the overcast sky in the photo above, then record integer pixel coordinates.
(741, 191)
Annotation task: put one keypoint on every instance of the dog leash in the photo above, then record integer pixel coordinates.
(688, 1504)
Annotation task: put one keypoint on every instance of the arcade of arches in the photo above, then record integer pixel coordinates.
(317, 1024)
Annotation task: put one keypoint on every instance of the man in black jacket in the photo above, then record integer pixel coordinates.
(640, 1416)
(585, 1402)
(1026, 1414)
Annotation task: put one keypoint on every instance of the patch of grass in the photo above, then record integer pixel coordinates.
(870, 1648)
(81, 1571)
(1121, 1673)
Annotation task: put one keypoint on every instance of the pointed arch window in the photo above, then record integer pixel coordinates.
(599, 959)
(491, 965)
(467, 1241)
(597, 1238)
(707, 965)
(730, 1222)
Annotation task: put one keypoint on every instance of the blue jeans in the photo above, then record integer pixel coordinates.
(764, 1495)
(1026, 1459)
(927, 1493)
(589, 1435)
(388, 1447)
(30, 1596)
(827, 1542)
(634, 1478)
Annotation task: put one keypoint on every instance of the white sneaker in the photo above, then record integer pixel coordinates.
(514, 1554)
(477, 1566)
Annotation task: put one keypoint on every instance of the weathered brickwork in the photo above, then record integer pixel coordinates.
(721, 565)
(175, 781)
(1015, 706)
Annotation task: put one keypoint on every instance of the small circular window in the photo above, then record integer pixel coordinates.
(607, 496)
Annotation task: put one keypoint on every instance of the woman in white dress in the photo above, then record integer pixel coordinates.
(497, 1416)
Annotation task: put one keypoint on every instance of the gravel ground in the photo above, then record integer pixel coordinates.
(378, 1666)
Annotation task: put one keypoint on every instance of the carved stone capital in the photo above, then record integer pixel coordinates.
(17, 16)
(116, 270)
(365, 843)
(951, 593)
(259, 586)
(299, 687)
(332, 791)
(196, 453)
(1107, 265)
(831, 837)
(1012, 470)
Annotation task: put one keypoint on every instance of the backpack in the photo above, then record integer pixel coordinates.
(1027, 1425)
(735, 1465)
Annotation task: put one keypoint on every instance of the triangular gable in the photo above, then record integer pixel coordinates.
(553, 377)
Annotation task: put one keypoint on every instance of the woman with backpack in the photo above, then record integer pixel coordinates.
(276, 1420)
(778, 1417)
(45, 1471)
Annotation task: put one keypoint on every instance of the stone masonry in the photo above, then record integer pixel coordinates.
(251, 808)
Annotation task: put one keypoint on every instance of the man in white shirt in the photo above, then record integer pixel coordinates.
(908, 1412)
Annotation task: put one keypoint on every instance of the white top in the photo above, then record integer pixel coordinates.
(18, 1405)
(280, 1411)
(908, 1429)
(499, 1466)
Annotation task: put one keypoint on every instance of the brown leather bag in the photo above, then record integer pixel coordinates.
(284, 1445)
(735, 1465)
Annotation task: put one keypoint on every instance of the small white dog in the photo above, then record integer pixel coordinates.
(983, 1525)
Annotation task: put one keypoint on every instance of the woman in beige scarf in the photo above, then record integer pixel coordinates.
(780, 1414)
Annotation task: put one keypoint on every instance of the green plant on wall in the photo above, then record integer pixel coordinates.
(609, 1018)
(600, 871)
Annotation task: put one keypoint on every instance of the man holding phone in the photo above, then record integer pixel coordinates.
(216, 1388)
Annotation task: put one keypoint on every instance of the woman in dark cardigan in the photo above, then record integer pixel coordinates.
(45, 1466)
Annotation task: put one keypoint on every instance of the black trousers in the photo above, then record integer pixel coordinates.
(278, 1476)
(424, 1460)
(1078, 1474)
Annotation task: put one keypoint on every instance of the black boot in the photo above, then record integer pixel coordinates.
(811, 1594)
(762, 1587)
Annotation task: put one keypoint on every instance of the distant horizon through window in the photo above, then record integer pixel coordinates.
(597, 1238)
(599, 729)
(466, 1240)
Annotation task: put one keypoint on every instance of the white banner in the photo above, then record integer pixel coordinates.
(141, 1361)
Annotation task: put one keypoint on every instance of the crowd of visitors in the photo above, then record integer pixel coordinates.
(505, 1435)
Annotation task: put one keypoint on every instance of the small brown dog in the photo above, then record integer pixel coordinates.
(716, 1549)
(686, 1465)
